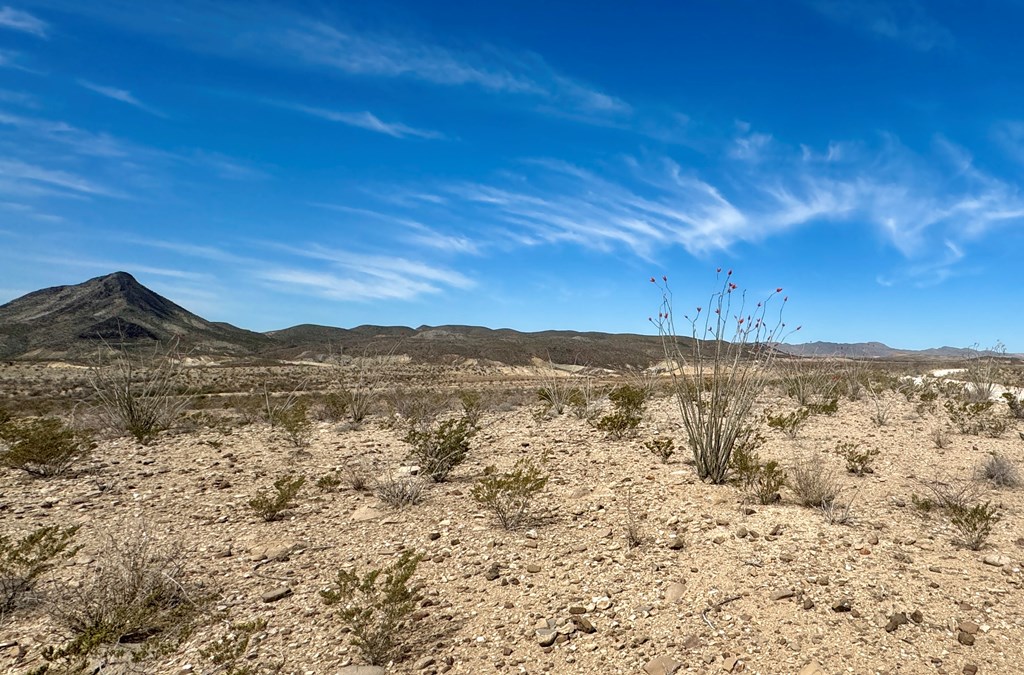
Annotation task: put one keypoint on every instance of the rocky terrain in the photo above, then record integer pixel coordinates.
(716, 583)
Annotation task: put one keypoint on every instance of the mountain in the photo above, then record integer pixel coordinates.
(440, 344)
(69, 321)
(877, 350)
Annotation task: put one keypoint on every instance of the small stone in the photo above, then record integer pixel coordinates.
(424, 663)
(965, 639)
(733, 664)
(843, 605)
(969, 627)
(895, 621)
(917, 616)
(434, 536)
(812, 668)
(546, 636)
(493, 572)
(676, 544)
(577, 609)
(662, 665)
(970, 669)
(674, 592)
(276, 594)
(533, 568)
(808, 603)
(741, 532)
(720, 539)
(365, 513)
(362, 670)
(996, 560)
(583, 624)
(783, 594)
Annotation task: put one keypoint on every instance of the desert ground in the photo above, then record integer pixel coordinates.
(625, 563)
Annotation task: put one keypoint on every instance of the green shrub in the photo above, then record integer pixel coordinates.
(228, 652)
(662, 447)
(329, 482)
(376, 607)
(759, 480)
(974, 523)
(628, 406)
(829, 407)
(439, 450)
(789, 423)
(24, 560)
(42, 447)
(508, 495)
(294, 421)
(270, 506)
(1015, 404)
(975, 418)
(858, 461)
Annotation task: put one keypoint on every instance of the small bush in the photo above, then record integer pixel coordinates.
(508, 495)
(829, 407)
(1001, 471)
(789, 423)
(1015, 404)
(974, 523)
(813, 483)
(270, 506)
(858, 461)
(329, 482)
(23, 561)
(376, 607)
(438, 451)
(662, 447)
(42, 447)
(228, 652)
(952, 495)
(413, 409)
(940, 437)
(399, 492)
(472, 406)
(760, 480)
(975, 418)
(134, 592)
(294, 421)
(838, 511)
(634, 531)
(628, 405)
(333, 407)
(358, 476)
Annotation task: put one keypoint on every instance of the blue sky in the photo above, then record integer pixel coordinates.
(526, 165)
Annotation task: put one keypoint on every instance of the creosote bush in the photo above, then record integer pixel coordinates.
(789, 423)
(975, 418)
(508, 495)
(858, 462)
(376, 607)
(662, 447)
(23, 561)
(294, 421)
(439, 450)
(974, 523)
(627, 411)
(41, 447)
(719, 365)
(270, 506)
(759, 480)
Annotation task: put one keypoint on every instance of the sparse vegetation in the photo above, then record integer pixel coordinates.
(271, 506)
(43, 447)
(759, 480)
(439, 450)
(508, 495)
(228, 652)
(24, 560)
(376, 607)
(813, 482)
(858, 462)
(662, 447)
(399, 492)
(628, 406)
(1015, 404)
(789, 423)
(1001, 471)
(974, 523)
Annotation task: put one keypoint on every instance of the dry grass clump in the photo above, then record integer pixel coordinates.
(813, 483)
(399, 492)
(1001, 471)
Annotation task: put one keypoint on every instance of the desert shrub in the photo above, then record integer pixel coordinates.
(644, 379)
(1015, 404)
(634, 530)
(271, 505)
(556, 391)
(789, 423)
(759, 480)
(439, 450)
(858, 461)
(809, 382)
(360, 384)
(838, 511)
(329, 482)
(42, 447)
(927, 399)
(472, 406)
(275, 409)
(376, 607)
(399, 492)
(974, 523)
(974, 418)
(333, 407)
(358, 476)
(662, 447)
(228, 653)
(829, 407)
(139, 395)
(23, 561)
(940, 437)
(627, 411)
(877, 389)
(982, 373)
(719, 367)
(949, 495)
(294, 421)
(414, 408)
(813, 483)
(508, 495)
(134, 592)
(583, 399)
(1001, 471)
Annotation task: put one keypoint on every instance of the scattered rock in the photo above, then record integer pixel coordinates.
(733, 664)
(493, 572)
(895, 621)
(662, 665)
(965, 639)
(676, 544)
(279, 593)
(546, 636)
(674, 592)
(362, 670)
(969, 627)
(917, 616)
(812, 668)
(970, 669)
(533, 568)
(996, 560)
(783, 594)
(365, 513)
(844, 605)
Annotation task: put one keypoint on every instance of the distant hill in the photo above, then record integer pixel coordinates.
(69, 321)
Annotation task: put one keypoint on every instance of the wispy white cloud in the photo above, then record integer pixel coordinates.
(362, 120)
(19, 20)
(15, 172)
(122, 95)
(224, 166)
(906, 22)
(18, 97)
(414, 232)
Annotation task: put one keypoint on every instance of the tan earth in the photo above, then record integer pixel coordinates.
(718, 584)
